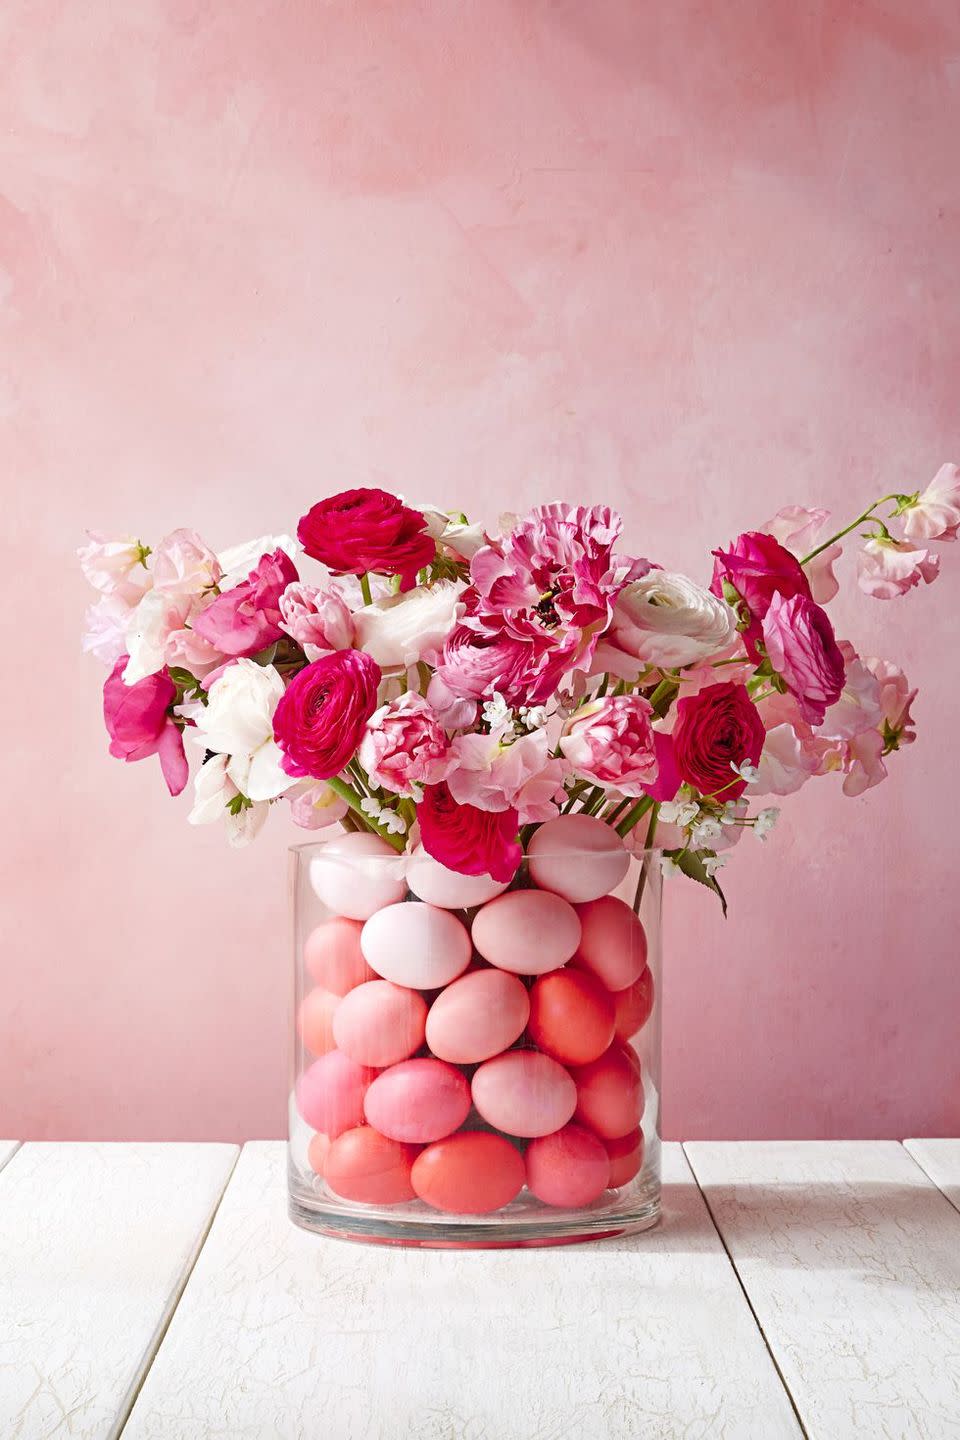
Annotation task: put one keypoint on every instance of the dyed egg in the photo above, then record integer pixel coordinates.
(626, 1157)
(477, 1016)
(571, 1167)
(578, 857)
(380, 1023)
(471, 1173)
(524, 1093)
(610, 1092)
(613, 944)
(527, 931)
(317, 1151)
(416, 945)
(634, 1005)
(362, 1165)
(333, 956)
(448, 889)
(330, 1093)
(418, 1101)
(357, 874)
(315, 1020)
(571, 1016)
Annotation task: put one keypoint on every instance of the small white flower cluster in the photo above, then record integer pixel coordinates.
(393, 823)
(496, 713)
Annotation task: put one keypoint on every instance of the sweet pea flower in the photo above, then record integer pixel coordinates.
(405, 746)
(798, 530)
(314, 806)
(610, 741)
(116, 567)
(802, 648)
(887, 568)
(792, 752)
(105, 635)
(858, 707)
(497, 772)
(895, 699)
(216, 797)
(402, 629)
(317, 617)
(935, 514)
(663, 619)
(246, 618)
(237, 561)
(183, 564)
(139, 723)
(237, 721)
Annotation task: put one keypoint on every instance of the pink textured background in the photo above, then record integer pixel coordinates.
(697, 260)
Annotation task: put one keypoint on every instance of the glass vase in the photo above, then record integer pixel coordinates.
(475, 1063)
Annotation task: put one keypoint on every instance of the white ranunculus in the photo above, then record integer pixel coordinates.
(402, 629)
(665, 619)
(239, 560)
(238, 722)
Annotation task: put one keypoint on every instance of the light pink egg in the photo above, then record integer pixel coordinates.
(570, 1167)
(578, 857)
(330, 1093)
(524, 1093)
(434, 883)
(418, 1101)
(357, 874)
(527, 931)
(610, 1092)
(380, 1023)
(333, 956)
(315, 1020)
(477, 1016)
(613, 944)
(416, 945)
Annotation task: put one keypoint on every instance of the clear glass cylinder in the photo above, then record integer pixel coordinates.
(474, 1064)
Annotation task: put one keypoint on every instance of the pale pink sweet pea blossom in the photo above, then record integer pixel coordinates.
(105, 633)
(317, 617)
(115, 566)
(497, 773)
(405, 746)
(314, 806)
(184, 564)
(611, 742)
(803, 650)
(237, 561)
(935, 515)
(799, 530)
(895, 699)
(858, 707)
(860, 759)
(888, 568)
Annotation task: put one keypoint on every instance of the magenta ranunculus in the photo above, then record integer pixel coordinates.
(368, 531)
(320, 719)
(758, 567)
(611, 742)
(716, 729)
(803, 650)
(405, 746)
(247, 617)
(471, 841)
(139, 723)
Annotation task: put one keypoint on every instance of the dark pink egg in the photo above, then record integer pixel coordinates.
(568, 1168)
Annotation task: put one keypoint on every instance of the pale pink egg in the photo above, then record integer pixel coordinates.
(418, 1101)
(380, 1023)
(634, 1005)
(477, 1016)
(434, 883)
(317, 1151)
(333, 956)
(524, 1093)
(330, 1093)
(366, 1166)
(571, 1016)
(472, 1173)
(527, 931)
(315, 1020)
(610, 1092)
(578, 857)
(416, 945)
(570, 1167)
(626, 1157)
(357, 874)
(613, 944)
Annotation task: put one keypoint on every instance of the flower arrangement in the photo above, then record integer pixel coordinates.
(433, 683)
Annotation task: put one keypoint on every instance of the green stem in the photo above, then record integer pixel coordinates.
(365, 589)
(615, 814)
(348, 794)
(645, 867)
(846, 531)
(632, 816)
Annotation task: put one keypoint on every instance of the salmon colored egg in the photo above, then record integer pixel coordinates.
(571, 1016)
(330, 1093)
(434, 883)
(472, 1173)
(578, 857)
(317, 1151)
(613, 944)
(333, 956)
(416, 945)
(362, 1165)
(626, 1157)
(634, 1005)
(527, 931)
(379, 1023)
(610, 1092)
(477, 1016)
(524, 1093)
(357, 874)
(315, 1020)
(571, 1167)
(418, 1101)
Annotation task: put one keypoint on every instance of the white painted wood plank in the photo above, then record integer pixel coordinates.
(7, 1148)
(941, 1161)
(290, 1336)
(96, 1241)
(851, 1259)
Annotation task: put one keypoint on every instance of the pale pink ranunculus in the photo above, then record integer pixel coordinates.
(888, 568)
(936, 513)
(663, 619)
(105, 633)
(799, 530)
(317, 617)
(405, 746)
(497, 773)
(246, 618)
(611, 742)
(314, 806)
(895, 699)
(184, 564)
(803, 650)
(115, 566)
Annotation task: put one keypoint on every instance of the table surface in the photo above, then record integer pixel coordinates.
(158, 1291)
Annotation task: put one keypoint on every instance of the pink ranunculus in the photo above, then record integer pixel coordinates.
(139, 723)
(321, 717)
(888, 568)
(611, 742)
(895, 699)
(405, 746)
(361, 531)
(247, 618)
(497, 772)
(471, 666)
(803, 650)
(466, 839)
(715, 730)
(317, 616)
(184, 564)
(116, 567)
(799, 530)
(936, 513)
(758, 567)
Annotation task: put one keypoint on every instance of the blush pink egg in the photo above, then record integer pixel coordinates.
(357, 874)
(448, 889)
(610, 1092)
(416, 945)
(571, 1016)
(315, 1020)
(626, 1157)
(363, 1165)
(613, 944)
(472, 1173)
(418, 1101)
(578, 857)
(634, 1005)
(330, 1093)
(317, 1152)
(524, 1093)
(527, 931)
(333, 956)
(571, 1167)
(477, 1016)
(380, 1023)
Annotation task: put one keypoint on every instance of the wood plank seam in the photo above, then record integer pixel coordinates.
(955, 1204)
(5, 1159)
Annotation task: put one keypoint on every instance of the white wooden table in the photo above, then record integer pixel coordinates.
(793, 1289)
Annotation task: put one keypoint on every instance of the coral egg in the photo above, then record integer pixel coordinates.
(613, 944)
(571, 1016)
(365, 1166)
(610, 1092)
(472, 1173)
(634, 1005)
(626, 1157)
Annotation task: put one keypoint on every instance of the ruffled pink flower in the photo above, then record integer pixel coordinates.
(611, 742)
(139, 723)
(106, 624)
(184, 564)
(405, 746)
(246, 619)
(803, 650)
(472, 666)
(798, 530)
(368, 530)
(316, 616)
(466, 839)
(936, 513)
(888, 568)
(861, 760)
(792, 753)
(495, 772)
(858, 706)
(759, 568)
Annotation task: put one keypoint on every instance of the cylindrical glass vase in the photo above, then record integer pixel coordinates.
(474, 1063)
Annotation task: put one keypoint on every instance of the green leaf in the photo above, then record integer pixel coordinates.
(691, 863)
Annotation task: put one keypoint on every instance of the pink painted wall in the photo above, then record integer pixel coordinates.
(696, 260)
